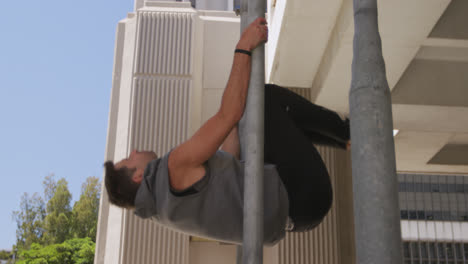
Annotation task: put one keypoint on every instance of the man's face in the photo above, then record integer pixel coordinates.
(137, 160)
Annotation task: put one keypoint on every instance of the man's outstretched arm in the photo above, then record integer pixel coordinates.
(186, 160)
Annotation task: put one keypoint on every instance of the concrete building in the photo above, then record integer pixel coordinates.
(171, 65)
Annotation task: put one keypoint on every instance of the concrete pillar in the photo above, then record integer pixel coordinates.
(377, 215)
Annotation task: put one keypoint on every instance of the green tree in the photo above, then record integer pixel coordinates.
(50, 185)
(29, 220)
(73, 251)
(45, 228)
(85, 210)
(4, 254)
(57, 222)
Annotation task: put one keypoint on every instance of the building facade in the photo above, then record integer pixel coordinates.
(434, 218)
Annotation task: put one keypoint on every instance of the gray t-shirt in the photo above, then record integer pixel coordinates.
(215, 210)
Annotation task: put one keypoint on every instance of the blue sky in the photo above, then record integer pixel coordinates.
(56, 61)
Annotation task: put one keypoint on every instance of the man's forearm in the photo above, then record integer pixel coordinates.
(235, 94)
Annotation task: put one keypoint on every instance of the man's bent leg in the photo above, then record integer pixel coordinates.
(321, 125)
(300, 167)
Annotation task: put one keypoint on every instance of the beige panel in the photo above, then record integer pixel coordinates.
(414, 149)
(110, 143)
(211, 102)
(159, 122)
(110, 217)
(451, 154)
(164, 43)
(160, 113)
(433, 82)
(148, 242)
(333, 240)
(212, 253)
(220, 253)
(220, 39)
(159, 106)
(452, 24)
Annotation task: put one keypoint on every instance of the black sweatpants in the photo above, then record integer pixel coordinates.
(292, 126)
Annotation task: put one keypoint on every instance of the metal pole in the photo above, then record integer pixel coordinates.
(377, 217)
(251, 131)
(239, 254)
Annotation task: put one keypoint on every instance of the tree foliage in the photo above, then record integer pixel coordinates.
(29, 221)
(50, 185)
(58, 219)
(51, 231)
(85, 210)
(4, 254)
(77, 250)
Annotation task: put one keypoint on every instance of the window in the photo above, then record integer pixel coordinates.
(402, 187)
(421, 215)
(432, 251)
(404, 214)
(406, 250)
(415, 250)
(452, 188)
(465, 249)
(441, 250)
(449, 251)
(443, 188)
(427, 187)
(434, 198)
(459, 251)
(430, 216)
(423, 247)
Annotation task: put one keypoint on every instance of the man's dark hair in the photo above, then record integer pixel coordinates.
(120, 187)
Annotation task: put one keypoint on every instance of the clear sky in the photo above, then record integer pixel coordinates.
(56, 61)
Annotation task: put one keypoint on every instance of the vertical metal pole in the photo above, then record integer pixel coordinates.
(377, 219)
(239, 254)
(251, 131)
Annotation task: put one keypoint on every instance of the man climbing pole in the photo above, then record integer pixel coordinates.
(198, 189)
